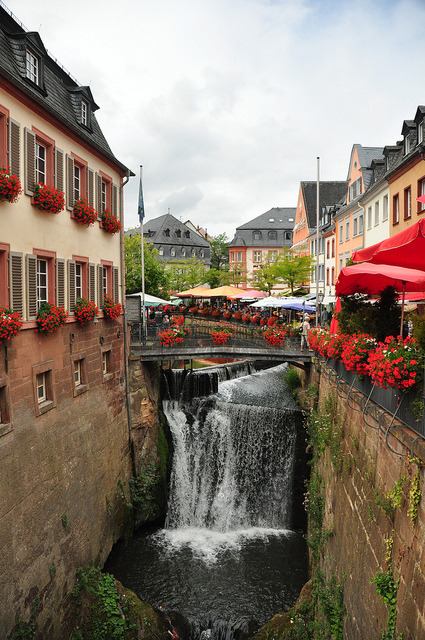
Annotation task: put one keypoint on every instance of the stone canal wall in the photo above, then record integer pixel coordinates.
(374, 514)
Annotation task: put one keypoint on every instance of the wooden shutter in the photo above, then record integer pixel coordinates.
(99, 285)
(60, 282)
(29, 138)
(59, 169)
(16, 281)
(114, 200)
(14, 147)
(31, 272)
(71, 286)
(90, 186)
(115, 284)
(98, 187)
(92, 282)
(69, 182)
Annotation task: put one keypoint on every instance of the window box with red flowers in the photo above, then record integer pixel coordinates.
(216, 313)
(237, 315)
(171, 336)
(177, 320)
(85, 311)
(274, 336)
(83, 212)
(111, 310)
(227, 315)
(48, 198)
(49, 318)
(205, 311)
(246, 318)
(255, 319)
(10, 186)
(193, 309)
(221, 333)
(110, 223)
(10, 323)
(355, 354)
(397, 363)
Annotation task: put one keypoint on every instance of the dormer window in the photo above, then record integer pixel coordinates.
(187, 234)
(257, 235)
(407, 145)
(167, 233)
(421, 132)
(178, 233)
(84, 113)
(272, 235)
(32, 67)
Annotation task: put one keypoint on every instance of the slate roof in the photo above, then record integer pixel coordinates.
(59, 92)
(330, 193)
(366, 155)
(271, 229)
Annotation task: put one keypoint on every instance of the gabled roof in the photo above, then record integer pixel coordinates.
(275, 218)
(156, 231)
(330, 193)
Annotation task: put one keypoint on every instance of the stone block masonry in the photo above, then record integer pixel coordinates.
(64, 467)
(368, 507)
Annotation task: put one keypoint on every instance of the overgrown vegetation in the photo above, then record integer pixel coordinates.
(26, 630)
(292, 379)
(377, 320)
(387, 587)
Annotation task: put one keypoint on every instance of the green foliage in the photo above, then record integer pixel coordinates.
(265, 277)
(415, 495)
(52, 570)
(387, 588)
(144, 489)
(219, 252)
(64, 520)
(377, 320)
(292, 379)
(27, 630)
(156, 281)
(186, 274)
(385, 504)
(104, 616)
(217, 278)
(419, 330)
(293, 269)
(325, 431)
(330, 595)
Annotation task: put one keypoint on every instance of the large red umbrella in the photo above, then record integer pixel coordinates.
(373, 278)
(405, 249)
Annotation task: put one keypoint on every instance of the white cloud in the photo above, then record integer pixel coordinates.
(227, 103)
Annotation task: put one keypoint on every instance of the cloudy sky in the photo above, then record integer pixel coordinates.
(227, 103)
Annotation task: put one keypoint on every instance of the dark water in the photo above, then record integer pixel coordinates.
(228, 559)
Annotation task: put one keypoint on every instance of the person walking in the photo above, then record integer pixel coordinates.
(305, 328)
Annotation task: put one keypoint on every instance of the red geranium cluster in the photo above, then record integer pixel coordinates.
(246, 318)
(177, 320)
(111, 310)
(193, 309)
(85, 310)
(221, 333)
(10, 323)
(48, 198)
(216, 313)
(173, 335)
(335, 345)
(83, 212)
(10, 186)
(271, 321)
(205, 311)
(263, 321)
(49, 318)
(227, 314)
(396, 363)
(274, 336)
(355, 354)
(237, 315)
(255, 319)
(110, 223)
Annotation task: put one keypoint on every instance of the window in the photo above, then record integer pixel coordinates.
(421, 132)
(396, 209)
(340, 261)
(104, 281)
(333, 247)
(421, 192)
(202, 253)
(346, 257)
(239, 256)
(44, 396)
(376, 212)
(361, 223)
(369, 217)
(385, 208)
(333, 275)
(77, 182)
(232, 256)
(272, 256)
(78, 280)
(41, 382)
(172, 252)
(178, 233)
(183, 251)
(78, 372)
(193, 253)
(40, 163)
(328, 249)
(84, 113)
(42, 282)
(187, 234)
(167, 233)
(32, 67)
(288, 235)
(341, 232)
(327, 276)
(161, 251)
(354, 226)
(106, 363)
(273, 235)
(347, 229)
(103, 197)
(257, 235)
(407, 144)
(407, 203)
(257, 256)
(355, 189)
(78, 368)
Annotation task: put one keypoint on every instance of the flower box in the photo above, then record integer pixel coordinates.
(110, 223)
(49, 318)
(48, 198)
(10, 323)
(171, 336)
(85, 310)
(10, 186)
(83, 212)
(111, 310)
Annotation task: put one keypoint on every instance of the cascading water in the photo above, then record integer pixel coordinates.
(228, 558)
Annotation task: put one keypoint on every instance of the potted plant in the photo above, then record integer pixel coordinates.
(48, 198)
(10, 186)
(111, 310)
(49, 318)
(221, 333)
(172, 335)
(10, 323)
(85, 310)
(396, 363)
(83, 212)
(110, 223)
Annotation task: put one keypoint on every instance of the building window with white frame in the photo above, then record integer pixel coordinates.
(347, 229)
(104, 282)
(42, 281)
(103, 195)
(396, 209)
(78, 375)
(84, 113)
(272, 256)
(421, 192)
(376, 212)
(32, 70)
(41, 387)
(369, 217)
(257, 256)
(407, 203)
(40, 163)
(385, 208)
(239, 256)
(355, 223)
(78, 280)
(77, 182)
(360, 224)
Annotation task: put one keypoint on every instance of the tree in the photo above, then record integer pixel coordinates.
(217, 278)
(265, 277)
(156, 280)
(238, 271)
(186, 274)
(293, 269)
(219, 252)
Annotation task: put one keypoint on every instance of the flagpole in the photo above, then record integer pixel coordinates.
(317, 238)
(141, 211)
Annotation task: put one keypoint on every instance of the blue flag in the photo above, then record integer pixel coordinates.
(141, 207)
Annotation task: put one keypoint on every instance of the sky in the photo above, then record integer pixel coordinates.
(228, 103)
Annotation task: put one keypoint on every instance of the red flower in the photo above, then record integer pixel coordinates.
(83, 212)
(110, 223)
(10, 323)
(111, 310)
(48, 198)
(85, 310)
(50, 317)
(10, 186)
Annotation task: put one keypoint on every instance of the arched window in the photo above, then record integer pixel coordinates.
(161, 251)
(172, 251)
(257, 235)
(272, 235)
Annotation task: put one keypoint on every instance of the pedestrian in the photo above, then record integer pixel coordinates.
(305, 328)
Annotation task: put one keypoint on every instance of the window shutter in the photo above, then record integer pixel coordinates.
(115, 284)
(58, 169)
(60, 282)
(71, 286)
(29, 162)
(98, 187)
(114, 200)
(90, 186)
(69, 182)
(99, 286)
(31, 271)
(16, 282)
(14, 147)
(92, 282)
